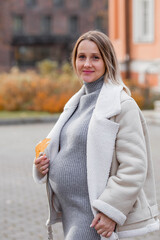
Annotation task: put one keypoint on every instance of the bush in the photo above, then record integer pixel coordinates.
(50, 88)
(46, 67)
(139, 92)
(47, 90)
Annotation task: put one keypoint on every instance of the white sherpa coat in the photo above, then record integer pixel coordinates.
(119, 167)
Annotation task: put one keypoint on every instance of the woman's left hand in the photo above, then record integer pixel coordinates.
(103, 225)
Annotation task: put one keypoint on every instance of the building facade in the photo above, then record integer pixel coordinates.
(134, 28)
(32, 30)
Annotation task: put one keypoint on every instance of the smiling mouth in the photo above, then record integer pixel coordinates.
(88, 71)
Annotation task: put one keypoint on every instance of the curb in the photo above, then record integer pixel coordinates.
(152, 117)
(29, 120)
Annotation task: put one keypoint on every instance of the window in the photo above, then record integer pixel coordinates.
(46, 25)
(29, 55)
(106, 4)
(18, 25)
(85, 3)
(73, 24)
(143, 20)
(31, 3)
(58, 3)
(99, 23)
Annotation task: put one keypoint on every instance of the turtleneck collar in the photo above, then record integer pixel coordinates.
(93, 86)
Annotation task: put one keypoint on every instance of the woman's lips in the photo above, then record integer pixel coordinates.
(87, 71)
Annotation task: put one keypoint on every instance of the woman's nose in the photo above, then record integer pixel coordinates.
(87, 63)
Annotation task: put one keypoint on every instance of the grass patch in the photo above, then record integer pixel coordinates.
(22, 114)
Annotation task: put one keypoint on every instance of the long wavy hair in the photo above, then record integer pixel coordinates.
(108, 54)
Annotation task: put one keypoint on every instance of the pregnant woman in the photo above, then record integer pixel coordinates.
(97, 165)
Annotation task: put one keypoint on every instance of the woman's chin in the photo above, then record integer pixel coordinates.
(88, 79)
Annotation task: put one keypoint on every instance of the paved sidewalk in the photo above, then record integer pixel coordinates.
(23, 204)
(152, 117)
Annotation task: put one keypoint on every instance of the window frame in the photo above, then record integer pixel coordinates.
(18, 17)
(43, 19)
(85, 3)
(31, 4)
(76, 30)
(59, 3)
(140, 34)
(99, 19)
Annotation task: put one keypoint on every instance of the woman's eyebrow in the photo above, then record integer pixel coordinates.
(91, 53)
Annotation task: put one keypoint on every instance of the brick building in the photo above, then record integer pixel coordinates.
(32, 30)
(134, 28)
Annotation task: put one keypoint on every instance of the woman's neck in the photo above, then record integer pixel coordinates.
(93, 86)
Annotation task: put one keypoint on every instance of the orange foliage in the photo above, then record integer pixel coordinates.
(55, 103)
(140, 100)
(48, 92)
(1, 103)
(137, 92)
(32, 91)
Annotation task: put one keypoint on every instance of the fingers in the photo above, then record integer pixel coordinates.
(105, 234)
(103, 225)
(44, 167)
(108, 234)
(45, 171)
(40, 158)
(100, 231)
(42, 164)
(95, 220)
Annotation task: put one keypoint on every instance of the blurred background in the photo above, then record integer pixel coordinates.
(36, 40)
(36, 80)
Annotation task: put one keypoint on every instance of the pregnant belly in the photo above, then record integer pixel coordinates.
(69, 177)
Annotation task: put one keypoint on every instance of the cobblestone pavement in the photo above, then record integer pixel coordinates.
(23, 204)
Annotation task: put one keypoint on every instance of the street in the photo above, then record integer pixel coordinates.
(23, 204)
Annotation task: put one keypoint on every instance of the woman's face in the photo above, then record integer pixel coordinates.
(89, 63)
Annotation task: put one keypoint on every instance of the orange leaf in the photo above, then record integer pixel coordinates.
(40, 147)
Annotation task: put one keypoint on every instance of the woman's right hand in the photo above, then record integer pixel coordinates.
(42, 164)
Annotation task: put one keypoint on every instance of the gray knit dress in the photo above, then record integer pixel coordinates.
(68, 172)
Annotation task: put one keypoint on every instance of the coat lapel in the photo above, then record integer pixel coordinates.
(108, 102)
(101, 139)
(54, 134)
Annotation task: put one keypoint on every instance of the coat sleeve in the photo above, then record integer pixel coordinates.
(123, 188)
(37, 176)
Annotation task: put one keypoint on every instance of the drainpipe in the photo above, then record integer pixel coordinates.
(127, 25)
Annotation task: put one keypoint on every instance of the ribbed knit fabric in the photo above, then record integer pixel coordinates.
(68, 172)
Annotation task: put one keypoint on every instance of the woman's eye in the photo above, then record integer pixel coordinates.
(95, 57)
(81, 56)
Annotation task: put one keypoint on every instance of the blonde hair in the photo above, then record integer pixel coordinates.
(108, 55)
